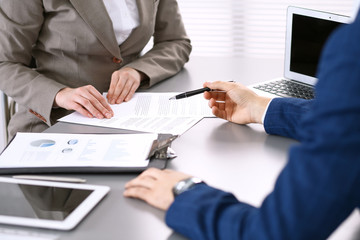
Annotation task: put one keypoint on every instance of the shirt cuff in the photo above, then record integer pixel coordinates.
(264, 114)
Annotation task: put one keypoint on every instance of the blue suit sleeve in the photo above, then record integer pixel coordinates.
(319, 187)
(283, 116)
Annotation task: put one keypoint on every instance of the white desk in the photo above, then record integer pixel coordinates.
(241, 159)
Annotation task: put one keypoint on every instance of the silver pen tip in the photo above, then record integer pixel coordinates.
(172, 98)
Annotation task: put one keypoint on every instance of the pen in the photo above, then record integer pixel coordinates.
(190, 93)
(194, 92)
(51, 178)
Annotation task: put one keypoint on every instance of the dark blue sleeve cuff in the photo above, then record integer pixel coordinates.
(284, 115)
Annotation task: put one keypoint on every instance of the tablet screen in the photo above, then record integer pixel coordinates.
(46, 204)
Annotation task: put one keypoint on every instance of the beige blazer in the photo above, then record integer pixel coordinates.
(74, 44)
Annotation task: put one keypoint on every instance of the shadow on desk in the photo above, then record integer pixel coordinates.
(231, 133)
(357, 234)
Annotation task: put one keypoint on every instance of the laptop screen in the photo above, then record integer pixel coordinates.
(308, 38)
(306, 33)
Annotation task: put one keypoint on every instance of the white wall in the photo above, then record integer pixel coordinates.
(254, 28)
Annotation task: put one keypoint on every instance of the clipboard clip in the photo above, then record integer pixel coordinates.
(161, 147)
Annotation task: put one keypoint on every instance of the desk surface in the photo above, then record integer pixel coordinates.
(241, 159)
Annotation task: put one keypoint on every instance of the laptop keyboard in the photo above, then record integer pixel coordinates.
(284, 88)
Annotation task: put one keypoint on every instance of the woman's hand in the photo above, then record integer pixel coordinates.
(124, 83)
(86, 100)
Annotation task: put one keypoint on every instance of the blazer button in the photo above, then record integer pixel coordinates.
(116, 60)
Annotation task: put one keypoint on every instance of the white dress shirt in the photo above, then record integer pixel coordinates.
(264, 114)
(124, 15)
(356, 4)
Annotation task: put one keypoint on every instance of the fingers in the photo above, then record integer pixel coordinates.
(123, 85)
(158, 199)
(92, 101)
(219, 90)
(218, 109)
(154, 186)
(151, 173)
(138, 192)
(78, 108)
(218, 96)
(131, 92)
(116, 86)
(99, 102)
(142, 182)
(220, 85)
(86, 100)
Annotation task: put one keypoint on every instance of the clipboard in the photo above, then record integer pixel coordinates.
(158, 156)
(161, 151)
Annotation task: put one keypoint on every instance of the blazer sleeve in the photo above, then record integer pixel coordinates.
(21, 23)
(171, 47)
(318, 188)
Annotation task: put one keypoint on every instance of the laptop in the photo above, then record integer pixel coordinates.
(306, 33)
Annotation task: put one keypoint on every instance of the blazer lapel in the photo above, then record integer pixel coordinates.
(95, 15)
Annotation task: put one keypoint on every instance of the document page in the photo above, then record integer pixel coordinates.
(152, 112)
(77, 150)
(159, 105)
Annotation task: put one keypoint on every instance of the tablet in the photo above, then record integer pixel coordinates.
(45, 204)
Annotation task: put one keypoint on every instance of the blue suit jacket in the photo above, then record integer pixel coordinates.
(320, 185)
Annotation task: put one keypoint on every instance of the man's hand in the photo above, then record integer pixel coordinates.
(86, 100)
(154, 186)
(236, 103)
(124, 83)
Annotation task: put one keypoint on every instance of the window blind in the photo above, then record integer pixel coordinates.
(254, 28)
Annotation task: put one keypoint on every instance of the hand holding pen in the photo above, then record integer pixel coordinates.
(192, 93)
(237, 103)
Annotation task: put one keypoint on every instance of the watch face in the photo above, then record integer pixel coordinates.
(179, 186)
(185, 185)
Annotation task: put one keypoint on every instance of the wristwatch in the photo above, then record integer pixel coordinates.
(185, 185)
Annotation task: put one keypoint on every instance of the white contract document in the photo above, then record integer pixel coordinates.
(50, 150)
(152, 112)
